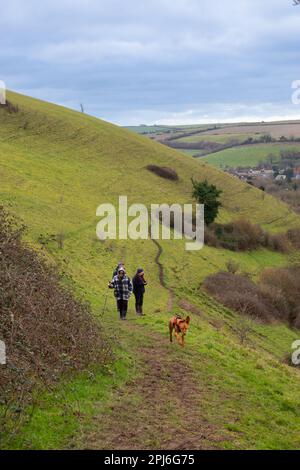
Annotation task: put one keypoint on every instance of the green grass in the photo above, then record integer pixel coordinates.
(246, 156)
(156, 129)
(70, 407)
(192, 152)
(220, 138)
(56, 167)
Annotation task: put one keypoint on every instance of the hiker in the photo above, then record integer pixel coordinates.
(139, 283)
(115, 273)
(119, 265)
(123, 289)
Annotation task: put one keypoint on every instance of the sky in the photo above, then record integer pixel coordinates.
(155, 61)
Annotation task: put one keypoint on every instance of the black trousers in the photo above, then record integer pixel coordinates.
(122, 306)
(139, 299)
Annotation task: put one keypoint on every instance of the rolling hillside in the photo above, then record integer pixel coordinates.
(56, 167)
(230, 145)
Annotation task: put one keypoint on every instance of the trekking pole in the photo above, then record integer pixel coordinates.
(105, 302)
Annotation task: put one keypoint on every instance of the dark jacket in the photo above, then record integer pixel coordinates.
(139, 284)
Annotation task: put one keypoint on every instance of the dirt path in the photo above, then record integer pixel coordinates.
(162, 408)
(161, 275)
(159, 410)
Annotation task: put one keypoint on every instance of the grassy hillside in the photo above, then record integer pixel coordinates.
(56, 167)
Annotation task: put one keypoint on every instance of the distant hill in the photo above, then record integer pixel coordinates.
(232, 145)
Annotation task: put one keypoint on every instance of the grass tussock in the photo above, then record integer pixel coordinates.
(163, 172)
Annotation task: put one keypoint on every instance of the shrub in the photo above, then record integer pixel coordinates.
(243, 328)
(293, 236)
(241, 235)
(277, 295)
(47, 331)
(239, 293)
(209, 195)
(232, 267)
(285, 283)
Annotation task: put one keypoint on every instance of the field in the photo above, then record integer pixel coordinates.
(218, 137)
(235, 136)
(248, 156)
(56, 167)
(287, 129)
(276, 130)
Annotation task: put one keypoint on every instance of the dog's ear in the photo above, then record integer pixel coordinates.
(187, 320)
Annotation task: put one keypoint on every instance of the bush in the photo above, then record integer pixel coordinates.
(239, 293)
(47, 331)
(276, 297)
(208, 195)
(241, 235)
(285, 284)
(163, 172)
(232, 267)
(293, 236)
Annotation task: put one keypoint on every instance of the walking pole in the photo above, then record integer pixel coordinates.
(105, 302)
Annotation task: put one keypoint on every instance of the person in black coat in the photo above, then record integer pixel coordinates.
(139, 284)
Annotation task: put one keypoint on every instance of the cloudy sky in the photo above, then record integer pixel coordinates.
(155, 61)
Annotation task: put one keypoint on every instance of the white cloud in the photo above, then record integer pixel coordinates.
(155, 58)
(211, 114)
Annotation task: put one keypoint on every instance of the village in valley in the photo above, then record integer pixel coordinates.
(266, 171)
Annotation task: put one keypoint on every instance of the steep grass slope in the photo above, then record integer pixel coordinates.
(112, 159)
(56, 167)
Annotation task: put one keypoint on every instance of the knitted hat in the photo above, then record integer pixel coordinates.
(140, 271)
(121, 269)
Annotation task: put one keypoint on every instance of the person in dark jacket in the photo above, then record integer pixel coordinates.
(139, 282)
(123, 289)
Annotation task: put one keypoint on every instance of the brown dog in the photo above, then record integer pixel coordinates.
(180, 327)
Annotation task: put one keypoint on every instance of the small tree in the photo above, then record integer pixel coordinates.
(232, 266)
(207, 194)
